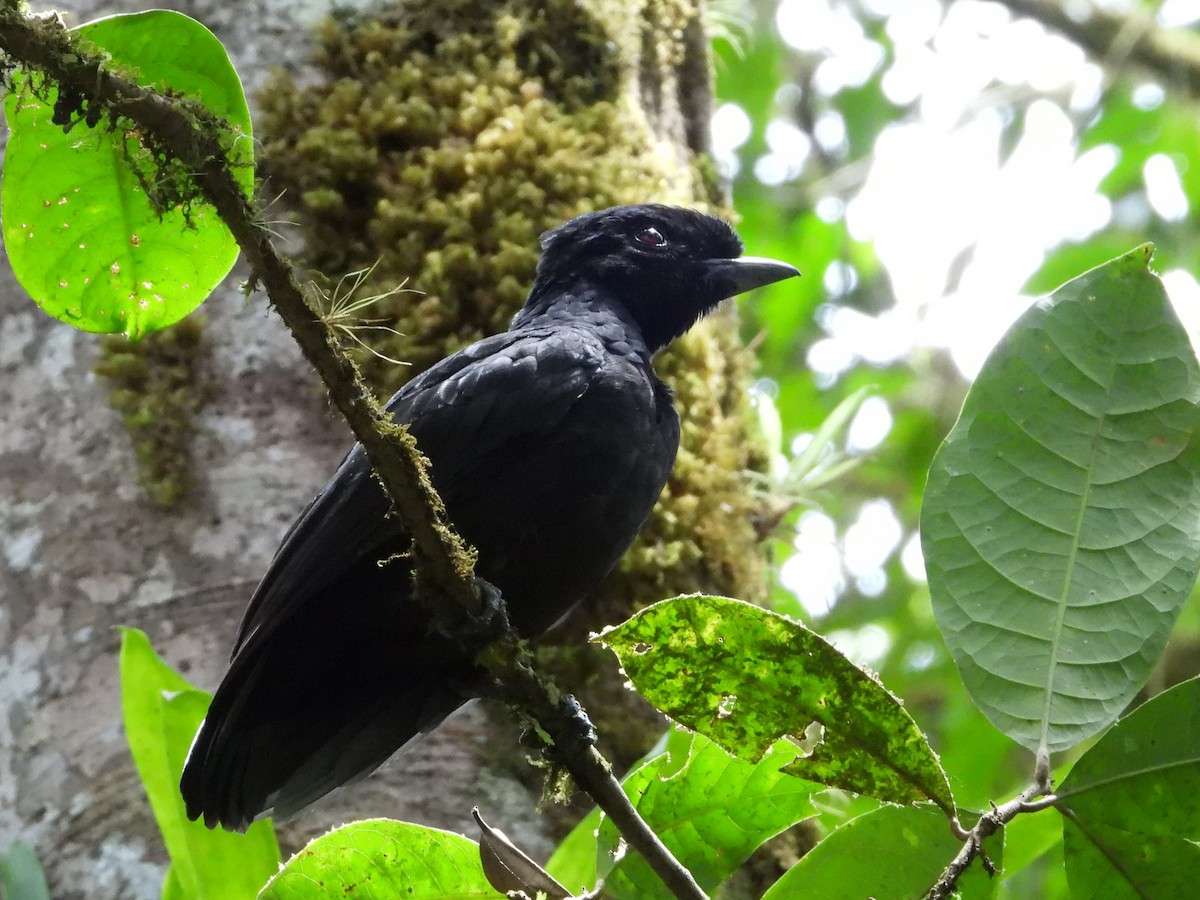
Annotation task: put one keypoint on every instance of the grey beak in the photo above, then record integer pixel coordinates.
(736, 276)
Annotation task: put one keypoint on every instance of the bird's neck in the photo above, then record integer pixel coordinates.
(588, 307)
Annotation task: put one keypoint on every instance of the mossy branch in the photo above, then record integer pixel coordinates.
(196, 141)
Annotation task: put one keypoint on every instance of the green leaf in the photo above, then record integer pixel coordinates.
(81, 236)
(1132, 804)
(636, 783)
(162, 712)
(573, 863)
(891, 853)
(983, 763)
(172, 888)
(1032, 842)
(21, 876)
(745, 677)
(1060, 517)
(711, 809)
(813, 466)
(381, 859)
(1062, 263)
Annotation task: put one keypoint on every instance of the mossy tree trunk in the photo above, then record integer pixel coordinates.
(434, 142)
(444, 138)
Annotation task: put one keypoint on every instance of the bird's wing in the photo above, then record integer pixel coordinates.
(464, 408)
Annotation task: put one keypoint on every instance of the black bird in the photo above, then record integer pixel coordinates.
(549, 444)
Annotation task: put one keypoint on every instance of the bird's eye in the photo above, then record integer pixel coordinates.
(651, 236)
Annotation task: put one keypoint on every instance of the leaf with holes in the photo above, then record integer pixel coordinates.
(745, 678)
(1060, 524)
(81, 235)
(1131, 805)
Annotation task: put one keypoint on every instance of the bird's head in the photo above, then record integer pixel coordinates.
(666, 265)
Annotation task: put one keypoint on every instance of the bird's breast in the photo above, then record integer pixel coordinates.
(553, 507)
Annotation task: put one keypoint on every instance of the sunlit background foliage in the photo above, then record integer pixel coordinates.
(932, 167)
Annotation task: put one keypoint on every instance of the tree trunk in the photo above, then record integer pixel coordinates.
(84, 547)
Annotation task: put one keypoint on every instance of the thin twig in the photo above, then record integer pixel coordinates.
(198, 140)
(989, 823)
(560, 717)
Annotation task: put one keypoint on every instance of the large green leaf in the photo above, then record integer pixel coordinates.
(1132, 804)
(711, 809)
(162, 712)
(1060, 518)
(745, 678)
(891, 853)
(381, 859)
(81, 236)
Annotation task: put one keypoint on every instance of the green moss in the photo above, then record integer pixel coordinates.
(445, 140)
(156, 386)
